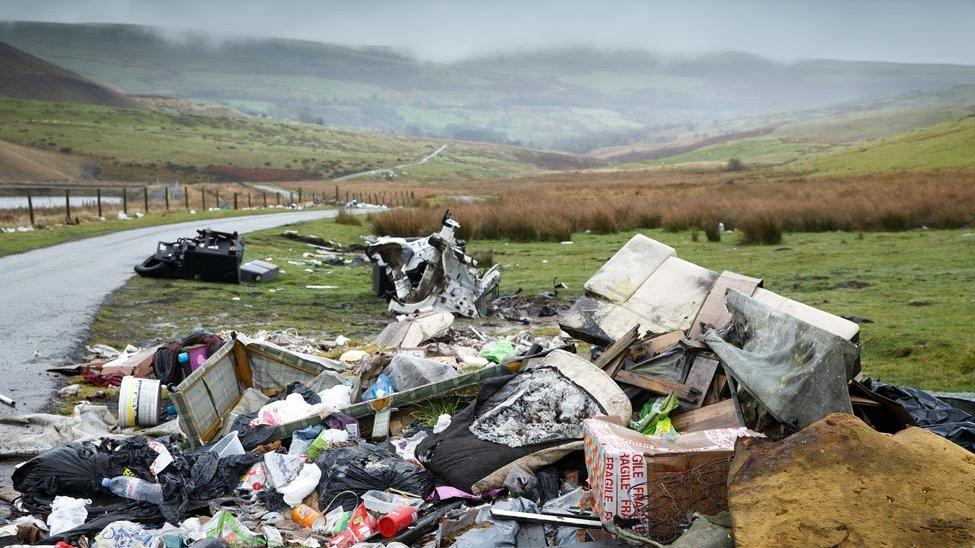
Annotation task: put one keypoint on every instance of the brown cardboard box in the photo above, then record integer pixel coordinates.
(651, 483)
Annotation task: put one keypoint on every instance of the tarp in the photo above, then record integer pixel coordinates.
(798, 371)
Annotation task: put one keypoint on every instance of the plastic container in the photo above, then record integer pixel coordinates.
(197, 354)
(228, 445)
(394, 522)
(384, 502)
(308, 517)
(139, 402)
(134, 488)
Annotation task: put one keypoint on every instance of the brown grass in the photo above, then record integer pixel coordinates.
(345, 218)
(552, 207)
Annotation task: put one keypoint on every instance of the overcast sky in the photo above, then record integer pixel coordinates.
(939, 31)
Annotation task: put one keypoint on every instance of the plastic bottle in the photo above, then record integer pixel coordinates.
(306, 516)
(134, 488)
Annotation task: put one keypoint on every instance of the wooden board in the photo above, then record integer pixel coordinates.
(713, 312)
(700, 377)
(611, 358)
(658, 386)
(719, 415)
(654, 346)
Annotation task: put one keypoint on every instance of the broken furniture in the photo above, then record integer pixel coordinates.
(259, 271)
(418, 273)
(210, 256)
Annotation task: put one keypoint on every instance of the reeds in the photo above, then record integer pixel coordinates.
(539, 208)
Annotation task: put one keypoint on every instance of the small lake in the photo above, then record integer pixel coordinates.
(40, 202)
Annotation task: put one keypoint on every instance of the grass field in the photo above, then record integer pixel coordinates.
(138, 145)
(918, 290)
(945, 146)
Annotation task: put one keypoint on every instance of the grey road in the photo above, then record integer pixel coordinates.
(49, 296)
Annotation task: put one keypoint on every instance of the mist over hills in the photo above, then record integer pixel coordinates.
(575, 98)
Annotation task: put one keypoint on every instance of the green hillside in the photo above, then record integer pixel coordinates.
(575, 99)
(945, 146)
(130, 144)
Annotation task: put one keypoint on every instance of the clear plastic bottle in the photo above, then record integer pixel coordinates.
(134, 488)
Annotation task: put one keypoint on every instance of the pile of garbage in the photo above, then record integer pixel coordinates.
(418, 273)
(678, 405)
(210, 256)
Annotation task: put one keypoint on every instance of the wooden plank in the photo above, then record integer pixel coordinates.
(616, 349)
(242, 365)
(719, 415)
(713, 312)
(657, 385)
(700, 377)
(656, 345)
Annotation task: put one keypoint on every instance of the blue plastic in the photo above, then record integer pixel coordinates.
(381, 388)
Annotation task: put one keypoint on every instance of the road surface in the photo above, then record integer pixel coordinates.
(49, 296)
(393, 169)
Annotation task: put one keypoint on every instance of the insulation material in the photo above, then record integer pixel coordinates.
(538, 406)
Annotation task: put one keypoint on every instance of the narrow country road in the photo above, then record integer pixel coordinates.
(49, 296)
(377, 171)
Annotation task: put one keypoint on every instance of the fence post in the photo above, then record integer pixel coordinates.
(216, 197)
(125, 200)
(248, 200)
(98, 195)
(313, 198)
(30, 208)
(264, 194)
(145, 197)
(278, 194)
(67, 206)
(346, 196)
(186, 198)
(412, 198)
(291, 198)
(203, 196)
(166, 194)
(235, 200)
(299, 195)
(336, 193)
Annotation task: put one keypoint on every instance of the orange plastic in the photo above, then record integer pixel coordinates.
(305, 515)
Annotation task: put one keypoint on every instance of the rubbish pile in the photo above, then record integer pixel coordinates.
(210, 256)
(706, 411)
(436, 271)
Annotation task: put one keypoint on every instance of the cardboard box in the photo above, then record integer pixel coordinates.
(651, 482)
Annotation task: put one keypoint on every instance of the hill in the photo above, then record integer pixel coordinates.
(136, 145)
(945, 146)
(574, 99)
(19, 163)
(787, 136)
(24, 76)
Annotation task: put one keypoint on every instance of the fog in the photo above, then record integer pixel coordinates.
(923, 31)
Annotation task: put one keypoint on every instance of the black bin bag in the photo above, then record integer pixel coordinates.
(352, 470)
(73, 470)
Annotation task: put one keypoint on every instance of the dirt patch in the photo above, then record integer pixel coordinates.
(852, 284)
(841, 482)
(920, 302)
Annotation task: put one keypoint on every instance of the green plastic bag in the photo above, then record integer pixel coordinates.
(497, 350)
(226, 526)
(654, 419)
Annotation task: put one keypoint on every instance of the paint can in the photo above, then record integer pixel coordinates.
(138, 402)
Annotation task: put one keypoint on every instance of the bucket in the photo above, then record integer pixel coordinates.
(138, 402)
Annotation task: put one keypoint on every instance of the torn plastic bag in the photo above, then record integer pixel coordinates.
(470, 455)
(407, 371)
(66, 514)
(930, 412)
(73, 470)
(30, 435)
(100, 517)
(799, 372)
(363, 467)
(672, 364)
